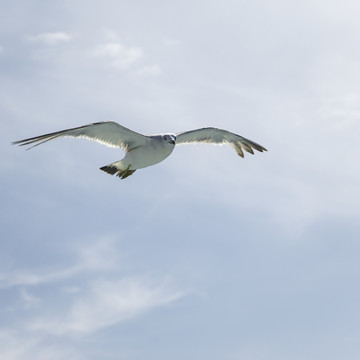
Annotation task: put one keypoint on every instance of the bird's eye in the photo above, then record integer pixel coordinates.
(165, 137)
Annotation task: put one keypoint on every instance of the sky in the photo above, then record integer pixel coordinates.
(205, 255)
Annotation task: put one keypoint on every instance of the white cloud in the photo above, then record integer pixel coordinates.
(85, 304)
(26, 278)
(110, 35)
(118, 54)
(29, 300)
(50, 39)
(14, 347)
(22, 346)
(106, 303)
(152, 70)
(98, 255)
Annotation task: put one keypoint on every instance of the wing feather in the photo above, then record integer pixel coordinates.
(108, 133)
(216, 136)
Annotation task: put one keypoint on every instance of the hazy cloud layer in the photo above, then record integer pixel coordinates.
(85, 299)
(92, 267)
(118, 55)
(104, 303)
(50, 39)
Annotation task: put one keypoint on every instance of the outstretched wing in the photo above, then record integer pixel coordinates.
(219, 137)
(108, 133)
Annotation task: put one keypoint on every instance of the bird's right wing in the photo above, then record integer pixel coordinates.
(108, 133)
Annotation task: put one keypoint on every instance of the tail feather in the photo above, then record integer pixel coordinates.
(110, 169)
(121, 173)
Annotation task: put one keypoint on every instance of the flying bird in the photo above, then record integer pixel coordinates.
(142, 150)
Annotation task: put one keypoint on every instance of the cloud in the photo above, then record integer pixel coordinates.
(110, 35)
(29, 300)
(26, 278)
(50, 39)
(99, 255)
(101, 304)
(86, 301)
(16, 345)
(119, 55)
(152, 70)
(105, 303)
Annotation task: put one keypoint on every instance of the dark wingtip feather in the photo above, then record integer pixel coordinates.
(261, 149)
(19, 142)
(256, 146)
(240, 152)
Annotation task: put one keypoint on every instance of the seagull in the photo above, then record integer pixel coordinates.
(142, 150)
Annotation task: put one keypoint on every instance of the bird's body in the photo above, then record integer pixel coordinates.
(151, 153)
(141, 150)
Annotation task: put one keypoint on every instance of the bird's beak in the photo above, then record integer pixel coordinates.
(172, 142)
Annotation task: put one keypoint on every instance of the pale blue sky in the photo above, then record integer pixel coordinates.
(206, 255)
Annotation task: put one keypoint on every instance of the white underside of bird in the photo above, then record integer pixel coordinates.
(141, 157)
(144, 150)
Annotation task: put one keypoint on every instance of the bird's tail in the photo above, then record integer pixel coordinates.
(114, 168)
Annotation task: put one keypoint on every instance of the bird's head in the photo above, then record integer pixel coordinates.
(169, 138)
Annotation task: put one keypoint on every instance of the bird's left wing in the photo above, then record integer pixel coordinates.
(219, 137)
(108, 133)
